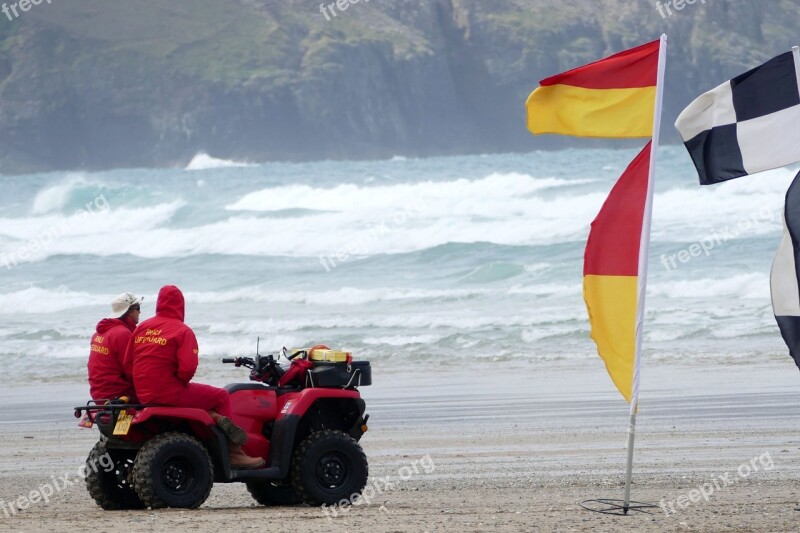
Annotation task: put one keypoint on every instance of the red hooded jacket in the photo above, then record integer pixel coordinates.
(107, 378)
(162, 353)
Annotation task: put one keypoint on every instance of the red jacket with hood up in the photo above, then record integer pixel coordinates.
(107, 378)
(162, 353)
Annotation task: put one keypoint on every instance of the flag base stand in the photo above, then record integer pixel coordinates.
(623, 507)
(617, 507)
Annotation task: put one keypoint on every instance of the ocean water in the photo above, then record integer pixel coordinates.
(444, 260)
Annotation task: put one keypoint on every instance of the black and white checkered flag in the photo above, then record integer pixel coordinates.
(785, 276)
(748, 124)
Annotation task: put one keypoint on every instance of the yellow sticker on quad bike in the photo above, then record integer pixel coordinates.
(123, 424)
(329, 356)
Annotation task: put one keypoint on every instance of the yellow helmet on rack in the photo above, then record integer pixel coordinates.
(323, 354)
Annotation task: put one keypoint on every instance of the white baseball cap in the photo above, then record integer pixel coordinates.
(122, 303)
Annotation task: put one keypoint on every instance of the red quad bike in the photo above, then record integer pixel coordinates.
(304, 420)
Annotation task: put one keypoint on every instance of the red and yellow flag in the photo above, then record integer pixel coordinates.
(611, 282)
(618, 96)
(613, 97)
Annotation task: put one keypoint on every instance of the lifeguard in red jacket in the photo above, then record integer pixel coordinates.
(162, 356)
(107, 377)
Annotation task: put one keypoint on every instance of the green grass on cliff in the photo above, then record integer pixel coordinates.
(221, 41)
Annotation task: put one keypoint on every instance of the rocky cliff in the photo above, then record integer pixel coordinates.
(121, 83)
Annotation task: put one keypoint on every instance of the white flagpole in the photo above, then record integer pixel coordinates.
(644, 254)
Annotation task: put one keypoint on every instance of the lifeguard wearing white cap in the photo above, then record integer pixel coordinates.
(122, 304)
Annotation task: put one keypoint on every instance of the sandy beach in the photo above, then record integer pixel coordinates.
(505, 446)
(478, 197)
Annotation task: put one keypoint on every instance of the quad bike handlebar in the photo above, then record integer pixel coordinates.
(264, 368)
(249, 362)
(303, 371)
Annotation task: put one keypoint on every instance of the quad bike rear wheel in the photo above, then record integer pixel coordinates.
(173, 470)
(329, 467)
(111, 487)
(271, 493)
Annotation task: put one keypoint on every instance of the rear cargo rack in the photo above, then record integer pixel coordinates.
(92, 405)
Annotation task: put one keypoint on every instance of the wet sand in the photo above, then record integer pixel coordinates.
(482, 447)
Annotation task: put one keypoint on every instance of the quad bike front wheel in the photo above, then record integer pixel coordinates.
(271, 493)
(173, 470)
(108, 478)
(329, 467)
